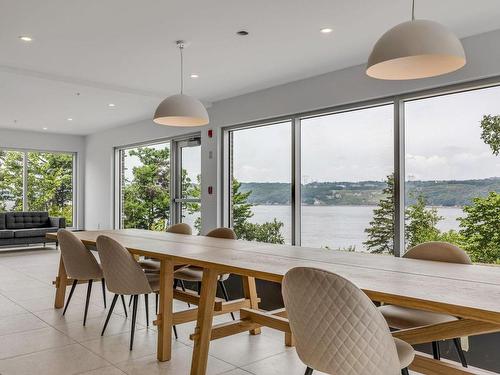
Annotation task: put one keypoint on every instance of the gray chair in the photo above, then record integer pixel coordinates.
(80, 265)
(124, 276)
(404, 318)
(195, 274)
(337, 328)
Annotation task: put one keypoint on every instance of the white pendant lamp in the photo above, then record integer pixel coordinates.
(415, 49)
(181, 109)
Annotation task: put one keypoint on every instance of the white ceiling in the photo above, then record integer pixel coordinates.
(123, 51)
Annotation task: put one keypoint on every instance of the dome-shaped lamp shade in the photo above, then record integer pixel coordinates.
(181, 110)
(415, 49)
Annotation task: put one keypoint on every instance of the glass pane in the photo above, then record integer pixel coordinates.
(347, 161)
(145, 190)
(261, 185)
(11, 181)
(191, 171)
(190, 213)
(50, 184)
(453, 172)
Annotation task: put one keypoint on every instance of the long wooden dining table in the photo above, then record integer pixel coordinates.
(469, 292)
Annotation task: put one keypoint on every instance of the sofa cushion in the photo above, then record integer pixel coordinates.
(26, 220)
(2, 220)
(5, 233)
(37, 232)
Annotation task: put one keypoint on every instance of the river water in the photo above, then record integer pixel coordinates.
(337, 226)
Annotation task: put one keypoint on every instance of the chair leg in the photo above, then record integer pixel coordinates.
(224, 293)
(146, 302)
(436, 352)
(184, 289)
(89, 291)
(309, 371)
(198, 285)
(405, 371)
(73, 286)
(460, 351)
(124, 306)
(130, 301)
(175, 332)
(103, 284)
(134, 316)
(113, 302)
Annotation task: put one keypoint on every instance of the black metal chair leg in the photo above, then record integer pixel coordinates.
(184, 289)
(460, 351)
(103, 284)
(309, 371)
(113, 302)
(198, 285)
(130, 301)
(146, 302)
(156, 303)
(89, 291)
(175, 332)
(73, 286)
(134, 316)
(124, 306)
(224, 293)
(405, 371)
(436, 352)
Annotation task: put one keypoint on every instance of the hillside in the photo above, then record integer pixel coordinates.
(437, 193)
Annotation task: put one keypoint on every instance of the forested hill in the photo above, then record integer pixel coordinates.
(437, 193)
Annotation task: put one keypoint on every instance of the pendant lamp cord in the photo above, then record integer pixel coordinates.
(181, 48)
(413, 10)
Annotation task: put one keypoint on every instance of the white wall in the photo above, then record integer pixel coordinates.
(52, 142)
(332, 89)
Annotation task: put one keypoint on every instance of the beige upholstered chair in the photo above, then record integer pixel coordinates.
(80, 265)
(337, 329)
(124, 276)
(195, 274)
(402, 317)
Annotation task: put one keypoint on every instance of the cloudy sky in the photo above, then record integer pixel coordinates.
(442, 142)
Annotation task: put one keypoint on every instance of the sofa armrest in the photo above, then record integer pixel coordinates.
(59, 222)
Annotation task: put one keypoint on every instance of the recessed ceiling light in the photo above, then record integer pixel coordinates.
(326, 30)
(25, 38)
(242, 33)
(111, 105)
(44, 128)
(194, 75)
(69, 119)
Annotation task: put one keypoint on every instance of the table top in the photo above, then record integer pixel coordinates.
(467, 291)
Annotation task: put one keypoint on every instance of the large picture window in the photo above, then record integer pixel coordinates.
(38, 181)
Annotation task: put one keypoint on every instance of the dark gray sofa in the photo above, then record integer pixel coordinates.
(23, 228)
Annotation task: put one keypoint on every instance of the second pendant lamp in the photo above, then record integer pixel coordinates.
(180, 109)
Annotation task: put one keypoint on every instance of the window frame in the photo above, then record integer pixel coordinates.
(399, 148)
(74, 154)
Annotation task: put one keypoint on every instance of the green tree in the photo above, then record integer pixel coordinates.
(481, 228)
(381, 230)
(11, 181)
(146, 198)
(490, 126)
(421, 223)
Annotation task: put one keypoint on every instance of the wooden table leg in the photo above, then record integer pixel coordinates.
(60, 286)
(165, 313)
(203, 328)
(250, 291)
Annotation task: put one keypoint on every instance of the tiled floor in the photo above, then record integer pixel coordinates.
(36, 339)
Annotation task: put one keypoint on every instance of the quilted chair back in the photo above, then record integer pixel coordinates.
(338, 330)
(226, 233)
(439, 252)
(122, 273)
(79, 262)
(181, 228)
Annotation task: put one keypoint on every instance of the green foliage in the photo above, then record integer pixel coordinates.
(242, 211)
(146, 198)
(421, 223)
(490, 126)
(49, 183)
(481, 229)
(381, 231)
